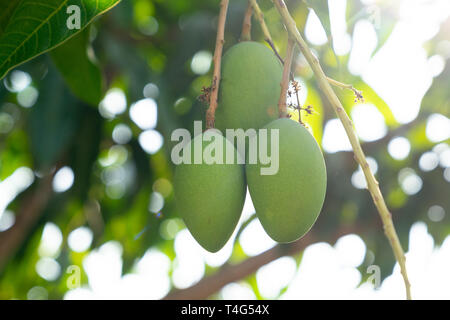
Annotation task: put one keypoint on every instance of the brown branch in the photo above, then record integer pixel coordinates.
(247, 24)
(27, 216)
(232, 273)
(210, 113)
(372, 183)
(282, 107)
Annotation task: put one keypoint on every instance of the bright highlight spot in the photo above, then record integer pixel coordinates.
(351, 250)
(51, 240)
(314, 30)
(144, 113)
(334, 137)
(399, 148)
(80, 239)
(122, 134)
(237, 291)
(275, 275)
(114, 103)
(12, 186)
(254, 240)
(151, 141)
(201, 62)
(364, 42)
(409, 181)
(7, 219)
(17, 81)
(48, 269)
(28, 97)
(63, 179)
(369, 122)
(156, 202)
(438, 127)
(428, 161)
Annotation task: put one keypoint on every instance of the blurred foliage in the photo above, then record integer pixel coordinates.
(150, 44)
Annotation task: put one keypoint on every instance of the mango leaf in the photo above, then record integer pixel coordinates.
(85, 81)
(52, 121)
(38, 26)
(320, 7)
(6, 10)
(85, 150)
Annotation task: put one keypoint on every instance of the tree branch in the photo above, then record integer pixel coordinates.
(232, 273)
(247, 24)
(372, 183)
(27, 216)
(210, 113)
(358, 94)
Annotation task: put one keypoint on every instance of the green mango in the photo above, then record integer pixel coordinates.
(288, 203)
(249, 87)
(210, 197)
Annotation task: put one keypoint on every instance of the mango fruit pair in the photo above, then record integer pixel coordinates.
(210, 197)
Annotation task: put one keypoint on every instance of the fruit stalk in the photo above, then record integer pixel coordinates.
(267, 37)
(282, 107)
(247, 24)
(210, 113)
(372, 183)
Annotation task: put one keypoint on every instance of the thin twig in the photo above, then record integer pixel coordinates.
(275, 51)
(210, 113)
(296, 86)
(267, 37)
(246, 34)
(260, 16)
(372, 183)
(282, 108)
(358, 94)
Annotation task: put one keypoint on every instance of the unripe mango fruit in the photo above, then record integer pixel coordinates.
(210, 197)
(289, 202)
(249, 87)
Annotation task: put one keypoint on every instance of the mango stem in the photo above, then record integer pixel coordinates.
(220, 40)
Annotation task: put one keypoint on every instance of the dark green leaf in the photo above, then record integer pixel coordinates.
(86, 149)
(6, 10)
(85, 80)
(40, 25)
(53, 120)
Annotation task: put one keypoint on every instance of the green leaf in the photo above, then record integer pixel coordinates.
(53, 120)
(85, 150)
(38, 26)
(6, 10)
(85, 80)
